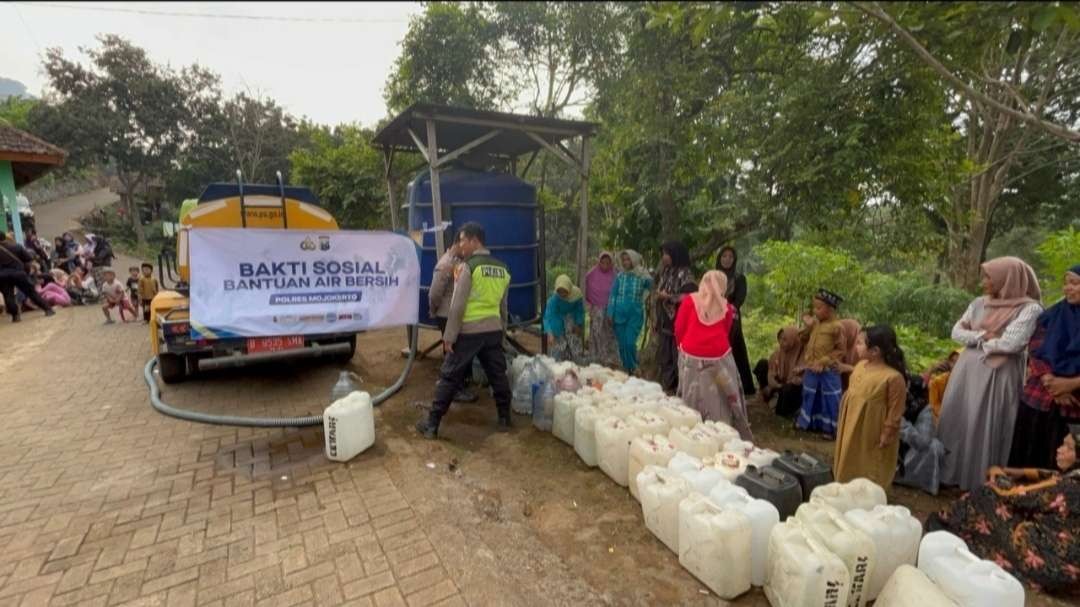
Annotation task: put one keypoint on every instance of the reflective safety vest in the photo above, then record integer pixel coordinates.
(490, 279)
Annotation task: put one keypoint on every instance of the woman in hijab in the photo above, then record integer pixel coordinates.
(673, 274)
(978, 413)
(1051, 396)
(626, 307)
(780, 376)
(598, 283)
(708, 377)
(564, 321)
(726, 262)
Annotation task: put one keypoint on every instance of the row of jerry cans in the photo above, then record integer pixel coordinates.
(668, 499)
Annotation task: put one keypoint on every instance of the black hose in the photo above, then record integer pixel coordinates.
(266, 422)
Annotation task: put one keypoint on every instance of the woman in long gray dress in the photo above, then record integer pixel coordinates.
(980, 404)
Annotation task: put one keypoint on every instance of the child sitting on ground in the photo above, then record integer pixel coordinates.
(821, 378)
(148, 288)
(132, 284)
(115, 296)
(778, 375)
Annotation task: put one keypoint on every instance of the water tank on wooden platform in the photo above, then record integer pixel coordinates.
(505, 206)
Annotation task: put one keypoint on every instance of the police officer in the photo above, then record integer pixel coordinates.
(474, 329)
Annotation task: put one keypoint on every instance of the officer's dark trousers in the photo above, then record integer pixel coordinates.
(14, 279)
(457, 365)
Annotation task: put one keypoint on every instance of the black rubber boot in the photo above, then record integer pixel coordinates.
(428, 428)
(504, 424)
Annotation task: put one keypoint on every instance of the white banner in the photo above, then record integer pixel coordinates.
(253, 283)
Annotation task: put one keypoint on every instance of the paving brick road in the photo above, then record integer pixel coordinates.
(103, 501)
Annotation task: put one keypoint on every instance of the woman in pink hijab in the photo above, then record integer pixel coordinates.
(598, 283)
(978, 411)
(708, 376)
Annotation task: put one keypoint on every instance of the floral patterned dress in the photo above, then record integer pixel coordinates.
(1033, 533)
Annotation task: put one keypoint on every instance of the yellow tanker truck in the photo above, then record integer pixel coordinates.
(181, 346)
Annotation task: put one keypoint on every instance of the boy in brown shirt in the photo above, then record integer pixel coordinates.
(821, 378)
(148, 288)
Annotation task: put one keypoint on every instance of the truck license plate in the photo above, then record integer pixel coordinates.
(274, 344)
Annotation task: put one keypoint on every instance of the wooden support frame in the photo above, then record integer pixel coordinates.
(436, 195)
(388, 162)
(468, 147)
(569, 160)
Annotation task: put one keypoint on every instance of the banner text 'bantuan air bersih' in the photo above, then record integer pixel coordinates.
(251, 283)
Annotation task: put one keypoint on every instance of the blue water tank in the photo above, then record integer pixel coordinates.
(505, 206)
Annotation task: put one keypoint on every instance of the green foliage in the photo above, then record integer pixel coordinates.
(15, 111)
(1059, 252)
(448, 56)
(906, 298)
(759, 329)
(346, 173)
(795, 271)
(922, 349)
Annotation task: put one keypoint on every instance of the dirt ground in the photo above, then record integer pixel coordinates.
(516, 518)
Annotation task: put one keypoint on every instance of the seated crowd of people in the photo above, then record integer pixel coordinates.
(37, 275)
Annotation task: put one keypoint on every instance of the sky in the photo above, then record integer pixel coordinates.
(324, 60)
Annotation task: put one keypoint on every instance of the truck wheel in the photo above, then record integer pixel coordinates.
(173, 368)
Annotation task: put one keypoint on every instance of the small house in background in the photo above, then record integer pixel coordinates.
(23, 159)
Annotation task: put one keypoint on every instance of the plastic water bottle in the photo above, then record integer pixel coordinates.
(544, 407)
(345, 386)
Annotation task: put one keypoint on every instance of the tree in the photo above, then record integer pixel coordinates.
(449, 56)
(125, 110)
(1015, 71)
(346, 172)
(15, 111)
(260, 136)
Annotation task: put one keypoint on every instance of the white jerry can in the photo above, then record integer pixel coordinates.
(731, 465)
(697, 441)
(566, 404)
(677, 414)
(648, 422)
(801, 572)
(763, 517)
(896, 535)
(723, 432)
(861, 493)
(756, 456)
(613, 436)
(647, 450)
(909, 587)
(584, 433)
(349, 426)
(964, 577)
(702, 477)
(714, 545)
(854, 547)
(661, 493)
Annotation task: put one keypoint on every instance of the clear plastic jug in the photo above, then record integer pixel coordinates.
(714, 545)
(763, 517)
(349, 426)
(584, 433)
(860, 493)
(613, 437)
(661, 493)
(909, 587)
(801, 572)
(562, 424)
(647, 450)
(896, 535)
(347, 383)
(854, 547)
(964, 577)
(697, 441)
(543, 412)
